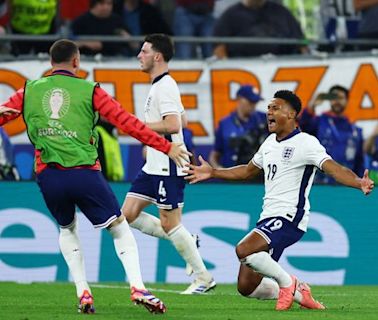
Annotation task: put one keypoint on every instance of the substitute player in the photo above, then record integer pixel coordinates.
(289, 159)
(60, 112)
(161, 181)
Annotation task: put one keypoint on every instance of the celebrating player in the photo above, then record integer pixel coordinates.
(289, 159)
(60, 112)
(160, 181)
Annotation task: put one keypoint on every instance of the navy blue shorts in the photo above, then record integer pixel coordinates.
(279, 233)
(167, 192)
(88, 189)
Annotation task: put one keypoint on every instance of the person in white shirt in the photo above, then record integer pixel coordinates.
(289, 159)
(160, 181)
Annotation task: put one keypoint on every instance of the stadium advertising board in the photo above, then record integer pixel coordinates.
(339, 247)
(208, 88)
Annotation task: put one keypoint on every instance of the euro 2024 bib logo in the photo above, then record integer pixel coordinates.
(56, 103)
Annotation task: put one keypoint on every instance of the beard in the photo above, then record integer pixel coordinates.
(338, 108)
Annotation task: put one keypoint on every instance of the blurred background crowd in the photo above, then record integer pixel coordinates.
(327, 22)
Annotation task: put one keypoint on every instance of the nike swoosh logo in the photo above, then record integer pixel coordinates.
(162, 199)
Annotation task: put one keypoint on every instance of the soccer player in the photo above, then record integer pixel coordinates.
(160, 181)
(289, 159)
(60, 112)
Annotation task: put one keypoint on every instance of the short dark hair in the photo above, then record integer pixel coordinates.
(291, 98)
(161, 43)
(339, 88)
(63, 50)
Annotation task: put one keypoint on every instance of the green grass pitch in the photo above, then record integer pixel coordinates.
(38, 301)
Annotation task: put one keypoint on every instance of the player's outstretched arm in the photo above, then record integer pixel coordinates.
(12, 108)
(347, 177)
(8, 111)
(206, 171)
(179, 155)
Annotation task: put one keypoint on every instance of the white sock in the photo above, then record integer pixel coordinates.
(184, 244)
(268, 289)
(127, 251)
(263, 263)
(70, 247)
(297, 296)
(149, 224)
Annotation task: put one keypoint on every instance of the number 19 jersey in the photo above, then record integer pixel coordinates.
(289, 167)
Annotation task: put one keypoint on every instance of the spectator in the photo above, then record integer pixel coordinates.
(140, 18)
(307, 13)
(8, 169)
(240, 134)
(368, 28)
(193, 18)
(4, 19)
(109, 151)
(221, 5)
(257, 18)
(71, 9)
(339, 22)
(371, 149)
(32, 18)
(99, 20)
(341, 138)
(4, 15)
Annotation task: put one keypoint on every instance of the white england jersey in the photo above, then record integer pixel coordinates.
(289, 167)
(163, 99)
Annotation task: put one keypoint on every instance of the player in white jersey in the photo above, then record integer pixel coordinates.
(289, 159)
(160, 181)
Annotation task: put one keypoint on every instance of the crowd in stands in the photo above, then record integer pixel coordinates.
(289, 19)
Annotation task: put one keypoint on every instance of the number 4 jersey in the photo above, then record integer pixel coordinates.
(289, 167)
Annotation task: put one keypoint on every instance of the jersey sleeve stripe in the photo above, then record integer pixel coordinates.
(323, 160)
(255, 164)
(169, 112)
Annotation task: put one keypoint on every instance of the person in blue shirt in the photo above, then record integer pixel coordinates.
(240, 134)
(341, 138)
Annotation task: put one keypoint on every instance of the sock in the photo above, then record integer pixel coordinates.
(184, 244)
(149, 224)
(263, 263)
(127, 251)
(70, 247)
(297, 296)
(267, 290)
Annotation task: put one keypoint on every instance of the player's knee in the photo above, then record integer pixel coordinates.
(242, 251)
(167, 225)
(129, 214)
